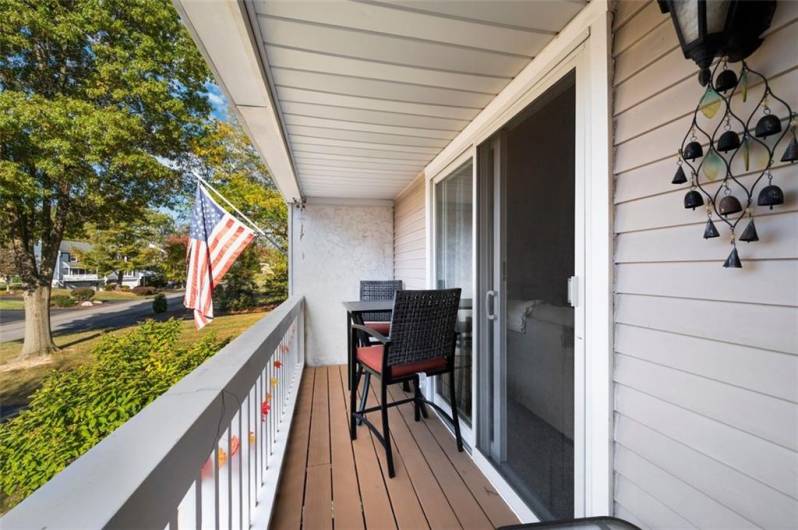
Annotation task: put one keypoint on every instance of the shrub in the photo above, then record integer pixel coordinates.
(81, 294)
(143, 290)
(159, 304)
(124, 288)
(62, 300)
(75, 409)
(156, 280)
(110, 286)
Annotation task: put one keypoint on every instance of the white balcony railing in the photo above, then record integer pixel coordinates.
(202, 455)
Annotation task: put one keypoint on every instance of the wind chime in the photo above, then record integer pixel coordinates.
(736, 150)
(741, 144)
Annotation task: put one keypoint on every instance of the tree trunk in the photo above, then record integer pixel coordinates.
(120, 278)
(38, 339)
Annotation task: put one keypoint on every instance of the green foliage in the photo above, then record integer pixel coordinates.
(239, 289)
(143, 290)
(110, 286)
(81, 294)
(62, 300)
(75, 409)
(173, 264)
(159, 304)
(275, 287)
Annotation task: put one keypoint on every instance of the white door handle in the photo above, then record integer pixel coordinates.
(490, 298)
(573, 287)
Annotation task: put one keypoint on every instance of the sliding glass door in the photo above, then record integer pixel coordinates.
(527, 255)
(453, 240)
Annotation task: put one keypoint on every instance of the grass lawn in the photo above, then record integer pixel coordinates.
(14, 301)
(6, 302)
(19, 380)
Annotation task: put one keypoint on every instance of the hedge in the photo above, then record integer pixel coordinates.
(75, 409)
(82, 294)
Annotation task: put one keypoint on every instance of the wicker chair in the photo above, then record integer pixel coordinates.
(423, 338)
(379, 321)
(379, 290)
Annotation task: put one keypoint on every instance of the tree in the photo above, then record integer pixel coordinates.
(7, 267)
(235, 168)
(173, 265)
(126, 247)
(94, 96)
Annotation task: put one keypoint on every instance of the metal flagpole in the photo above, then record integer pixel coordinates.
(239, 212)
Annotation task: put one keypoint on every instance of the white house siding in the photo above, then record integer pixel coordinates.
(409, 237)
(333, 247)
(706, 358)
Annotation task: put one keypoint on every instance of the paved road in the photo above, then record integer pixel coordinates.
(102, 316)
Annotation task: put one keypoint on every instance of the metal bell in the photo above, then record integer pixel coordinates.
(791, 153)
(767, 125)
(771, 195)
(749, 234)
(692, 151)
(693, 200)
(728, 141)
(726, 80)
(679, 177)
(729, 205)
(710, 230)
(733, 261)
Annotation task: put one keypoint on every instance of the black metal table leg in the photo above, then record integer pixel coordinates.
(349, 350)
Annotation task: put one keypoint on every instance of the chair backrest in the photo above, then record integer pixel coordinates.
(423, 325)
(371, 290)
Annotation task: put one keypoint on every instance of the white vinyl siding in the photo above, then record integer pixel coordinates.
(409, 237)
(706, 358)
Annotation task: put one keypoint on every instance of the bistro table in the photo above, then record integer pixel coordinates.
(354, 314)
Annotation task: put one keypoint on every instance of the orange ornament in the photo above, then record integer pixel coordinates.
(235, 445)
(221, 457)
(207, 469)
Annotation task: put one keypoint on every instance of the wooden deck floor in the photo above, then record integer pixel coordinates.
(331, 482)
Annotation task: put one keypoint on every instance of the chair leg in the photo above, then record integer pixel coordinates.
(455, 416)
(353, 401)
(364, 396)
(386, 430)
(421, 407)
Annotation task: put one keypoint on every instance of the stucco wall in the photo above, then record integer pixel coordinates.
(334, 246)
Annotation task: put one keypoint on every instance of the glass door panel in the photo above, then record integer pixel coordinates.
(528, 382)
(453, 268)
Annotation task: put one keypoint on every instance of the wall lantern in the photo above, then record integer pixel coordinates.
(742, 133)
(713, 28)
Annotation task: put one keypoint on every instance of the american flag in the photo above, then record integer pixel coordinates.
(216, 239)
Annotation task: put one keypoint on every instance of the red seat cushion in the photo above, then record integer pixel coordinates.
(371, 356)
(380, 327)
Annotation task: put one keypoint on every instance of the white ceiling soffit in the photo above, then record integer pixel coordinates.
(368, 92)
(222, 32)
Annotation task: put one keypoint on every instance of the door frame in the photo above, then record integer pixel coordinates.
(468, 432)
(586, 40)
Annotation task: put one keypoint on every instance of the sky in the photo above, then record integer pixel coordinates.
(219, 109)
